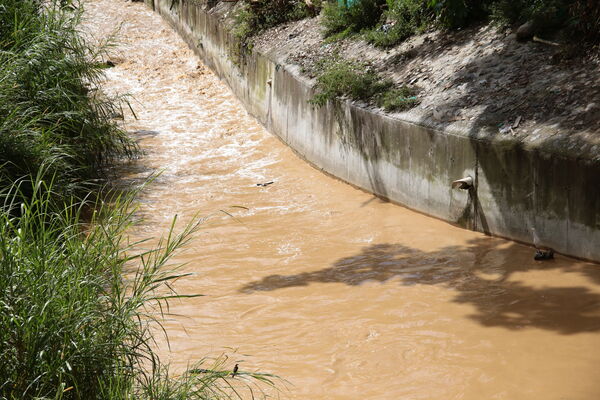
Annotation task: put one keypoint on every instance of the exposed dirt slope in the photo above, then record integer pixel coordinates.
(479, 79)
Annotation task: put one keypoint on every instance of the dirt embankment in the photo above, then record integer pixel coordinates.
(480, 79)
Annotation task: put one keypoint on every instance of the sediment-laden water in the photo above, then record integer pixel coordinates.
(342, 294)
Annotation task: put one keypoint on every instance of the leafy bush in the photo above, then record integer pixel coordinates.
(361, 14)
(404, 18)
(255, 16)
(339, 78)
(455, 14)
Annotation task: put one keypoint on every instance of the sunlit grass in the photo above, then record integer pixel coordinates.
(51, 104)
(78, 304)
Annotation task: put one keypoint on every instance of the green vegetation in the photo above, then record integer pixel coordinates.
(399, 99)
(338, 78)
(51, 111)
(392, 22)
(71, 326)
(77, 300)
(341, 20)
(404, 19)
(255, 16)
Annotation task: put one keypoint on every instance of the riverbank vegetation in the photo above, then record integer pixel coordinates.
(337, 77)
(255, 16)
(389, 22)
(52, 112)
(79, 303)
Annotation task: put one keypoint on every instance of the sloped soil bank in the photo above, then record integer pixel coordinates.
(479, 79)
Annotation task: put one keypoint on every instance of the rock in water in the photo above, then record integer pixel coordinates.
(525, 32)
(541, 252)
(543, 255)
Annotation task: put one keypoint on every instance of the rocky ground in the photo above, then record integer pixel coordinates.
(479, 78)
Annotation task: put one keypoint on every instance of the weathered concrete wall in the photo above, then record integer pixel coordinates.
(409, 162)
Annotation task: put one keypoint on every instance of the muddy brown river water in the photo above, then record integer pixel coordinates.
(340, 293)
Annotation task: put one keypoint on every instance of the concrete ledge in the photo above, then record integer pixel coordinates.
(403, 159)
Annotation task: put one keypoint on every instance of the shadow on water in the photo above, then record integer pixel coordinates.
(479, 273)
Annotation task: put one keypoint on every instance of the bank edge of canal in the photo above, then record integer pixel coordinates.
(405, 158)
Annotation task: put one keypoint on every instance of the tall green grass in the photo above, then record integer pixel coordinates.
(52, 111)
(78, 301)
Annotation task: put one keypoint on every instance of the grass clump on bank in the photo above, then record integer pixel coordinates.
(52, 112)
(339, 78)
(78, 302)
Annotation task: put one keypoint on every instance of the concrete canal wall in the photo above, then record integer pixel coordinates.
(405, 158)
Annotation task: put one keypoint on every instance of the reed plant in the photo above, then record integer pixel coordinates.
(79, 305)
(51, 105)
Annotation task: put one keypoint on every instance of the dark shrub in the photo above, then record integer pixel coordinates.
(585, 20)
(361, 14)
(577, 20)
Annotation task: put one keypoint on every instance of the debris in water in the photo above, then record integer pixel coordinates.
(541, 252)
(145, 132)
(505, 128)
(517, 122)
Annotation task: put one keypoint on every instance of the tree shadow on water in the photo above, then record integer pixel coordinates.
(480, 274)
